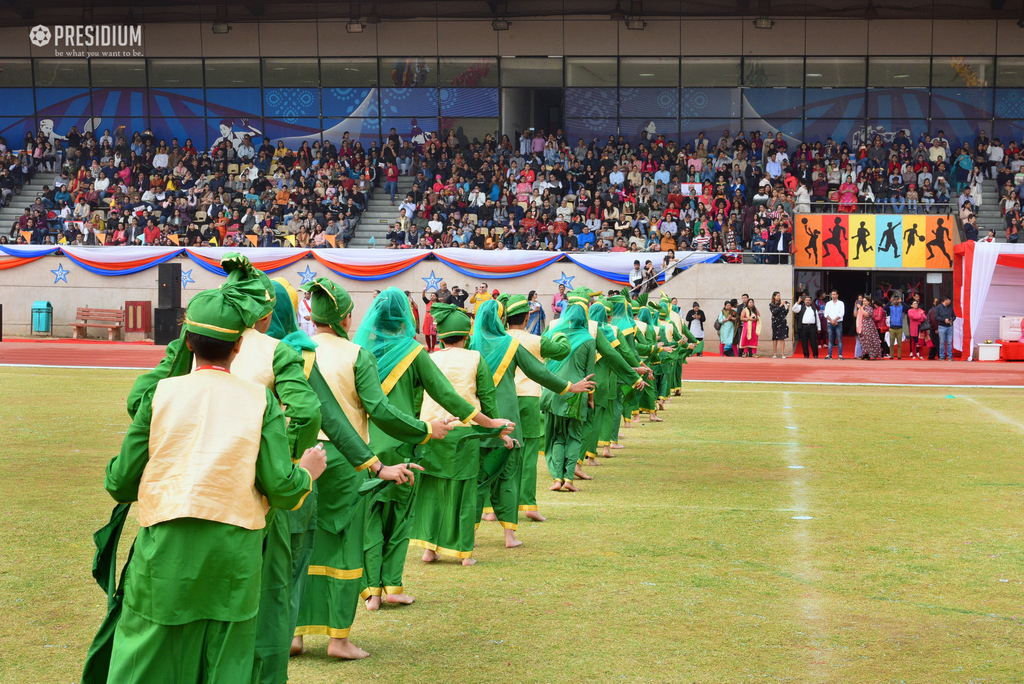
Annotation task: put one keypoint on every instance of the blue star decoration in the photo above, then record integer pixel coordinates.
(60, 274)
(186, 278)
(432, 281)
(307, 276)
(564, 280)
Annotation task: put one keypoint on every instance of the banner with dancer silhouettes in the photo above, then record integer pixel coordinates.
(874, 241)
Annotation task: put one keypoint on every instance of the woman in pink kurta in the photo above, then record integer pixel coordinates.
(750, 329)
(848, 196)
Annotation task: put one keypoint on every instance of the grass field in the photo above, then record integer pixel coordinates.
(681, 562)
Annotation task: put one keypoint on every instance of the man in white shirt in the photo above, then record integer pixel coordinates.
(616, 177)
(834, 312)
(304, 315)
(636, 276)
(995, 158)
(807, 326)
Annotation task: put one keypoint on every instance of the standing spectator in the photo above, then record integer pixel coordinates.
(896, 312)
(726, 327)
(917, 325)
(945, 315)
(556, 301)
(750, 329)
(695, 320)
(835, 310)
(780, 324)
(429, 328)
(807, 325)
(867, 331)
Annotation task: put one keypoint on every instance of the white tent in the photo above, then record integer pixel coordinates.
(988, 280)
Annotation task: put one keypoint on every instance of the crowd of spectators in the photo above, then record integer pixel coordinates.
(726, 193)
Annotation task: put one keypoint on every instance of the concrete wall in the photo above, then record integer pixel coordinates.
(709, 284)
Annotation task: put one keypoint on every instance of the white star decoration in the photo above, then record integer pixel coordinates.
(432, 281)
(60, 274)
(186, 278)
(307, 276)
(564, 280)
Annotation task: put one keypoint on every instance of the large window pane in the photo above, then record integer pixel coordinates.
(590, 72)
(772, 72)
(232, 73)
(175, 73)
(408, 72)
(118, 73)
(836, 72)
(348, 73)
(15, 73)
(711, 71)
(291, 73)
(638, 72)
(1010, 72)
(531, 72)
(474, 72)
(468, 129)
(962, 72)
(62, 73)
(898, 72)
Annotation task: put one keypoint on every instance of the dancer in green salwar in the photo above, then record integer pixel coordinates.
(328, 578)
(388, 332)
(621, 318)
(505, 354)
(203, 455)
(445, 510)
(649, 395)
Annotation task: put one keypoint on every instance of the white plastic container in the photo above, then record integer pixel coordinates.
(989, 352)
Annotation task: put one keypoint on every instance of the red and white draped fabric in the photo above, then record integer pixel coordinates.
(616, 266)
(369, 264)
(988, 280)
(115, 261)
(267, 259)
(12, 256)
(494, 265)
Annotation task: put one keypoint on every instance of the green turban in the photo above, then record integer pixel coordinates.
(330, 304)
(222, 314)
(249, 280)
(581, 295)
(516, 304)
(451, 321)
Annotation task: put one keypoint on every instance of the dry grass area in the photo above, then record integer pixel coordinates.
(681, 562)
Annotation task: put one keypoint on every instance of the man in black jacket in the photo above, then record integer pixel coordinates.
(945, 316)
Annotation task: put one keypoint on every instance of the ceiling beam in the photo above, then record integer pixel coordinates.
(998, 5)
(23, 11)
(255, 7)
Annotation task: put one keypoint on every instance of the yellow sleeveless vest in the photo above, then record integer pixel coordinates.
(525, 387)
(203, 443)
(460, 366)
(255, 360)
(336, 357)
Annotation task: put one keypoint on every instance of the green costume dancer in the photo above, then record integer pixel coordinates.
(505, 354)
(328, 576)
(649, 395)
(623, 321)
(388, 332)
(608, 374)
(528, 393)
(445, 511)
(203, 455)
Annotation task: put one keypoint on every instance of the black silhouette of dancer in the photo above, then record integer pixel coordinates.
(862, 235)
(912, 236)
(813, 244)
(941, 234)
(836, 239)
(889, 240)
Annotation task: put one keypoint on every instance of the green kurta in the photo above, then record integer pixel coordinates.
(608, 369)
(648, 346)
(563, 437)
(608, 425)
(193, 571)
(389, 519)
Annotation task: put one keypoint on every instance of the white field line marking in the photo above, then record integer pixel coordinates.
(847, 384)
(809, 603)
(996, 414)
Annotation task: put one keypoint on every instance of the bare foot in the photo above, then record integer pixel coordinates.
(556, 486)
(534, 515)
(656, 419)
(510, 540)
(606, 452)
(297, 648)
(345, 650)
(580, 474)
(402, 598)
(635, 419)
(429, 556)
(489, 517)
(373, 603)
(626, 424)
(592, 462)
(616, 445)
(568, 486)
(467, 562)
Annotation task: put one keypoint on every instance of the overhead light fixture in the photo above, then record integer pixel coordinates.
(220, 21)
(635, 23)
(763, 23)
(221, 27)
(813, 75)
(355, 27)
(501, 24)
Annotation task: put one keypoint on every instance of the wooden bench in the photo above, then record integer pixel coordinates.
(111, 319)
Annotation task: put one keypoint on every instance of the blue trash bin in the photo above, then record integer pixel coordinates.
(42, 317)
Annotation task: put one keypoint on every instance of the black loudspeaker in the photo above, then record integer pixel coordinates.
(166, 327)
(170, 286)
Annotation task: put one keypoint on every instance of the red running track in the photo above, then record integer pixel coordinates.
(99, 354)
